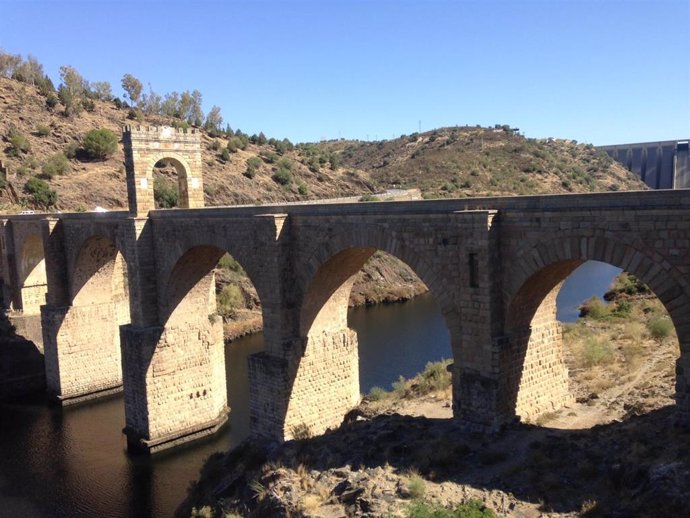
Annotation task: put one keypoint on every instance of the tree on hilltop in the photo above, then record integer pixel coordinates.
(102, 90)
(9, 63)
(132, 87)
(213, 120)
(73, 90)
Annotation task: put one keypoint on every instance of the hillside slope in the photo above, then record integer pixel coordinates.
(445, 162)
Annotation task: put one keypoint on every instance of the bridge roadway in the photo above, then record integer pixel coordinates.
(124, 301)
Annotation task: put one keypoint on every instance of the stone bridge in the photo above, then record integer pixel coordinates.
(126, 300)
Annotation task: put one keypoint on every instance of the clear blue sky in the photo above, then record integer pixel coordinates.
(597, 71)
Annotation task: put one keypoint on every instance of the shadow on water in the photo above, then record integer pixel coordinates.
(21, 362)
(71, 462)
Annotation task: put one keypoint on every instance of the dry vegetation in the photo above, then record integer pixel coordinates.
(446, 162)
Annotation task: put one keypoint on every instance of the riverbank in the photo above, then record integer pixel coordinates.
(613, 453)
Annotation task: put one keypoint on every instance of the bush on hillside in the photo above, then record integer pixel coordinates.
(253, 165)
(100, 143)
(19, 144)
(42, 130)
(55, 165)
(660, 328)
(40, 193)
(282, 176)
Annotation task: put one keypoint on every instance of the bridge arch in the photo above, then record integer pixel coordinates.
(33, 281)
(325, 377)
(331, 266)
(533, 333)
(82, 351)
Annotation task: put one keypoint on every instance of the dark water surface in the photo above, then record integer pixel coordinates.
(71, 463)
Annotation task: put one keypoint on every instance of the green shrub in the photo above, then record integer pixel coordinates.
(225, 155)
(596, 352)
(595, 308)
(622, 308)
(253, 165)
(42, 130)
(19, 144)
(369, 197)
(165, 193)
(269, 157)
(416, 486)
(40, 193)
(377, 394)
(55, 165)
(282, 176)
(229, 299)
(227, 262)
(100, 143)
(71, 150)
(215, 145)
(52, 100)
(470, 509)
(434, 377)
(660, 328)
(285, 163)
(302, 189)
(235, 144)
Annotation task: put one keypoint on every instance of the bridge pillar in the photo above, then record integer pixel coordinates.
(174, 384)
(308, 394)
(82, 351)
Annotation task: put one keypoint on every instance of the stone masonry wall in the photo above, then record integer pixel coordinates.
(33, 297)
(82, 350)
(326, 385)
(175, 380)
(533, 371)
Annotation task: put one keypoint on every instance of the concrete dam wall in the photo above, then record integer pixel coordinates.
(661, 165)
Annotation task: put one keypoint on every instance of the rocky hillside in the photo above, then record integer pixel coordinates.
(446, 162)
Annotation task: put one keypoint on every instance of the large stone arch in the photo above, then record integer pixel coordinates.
(192, 264)
(82, 340)
(533, 374)
(33, 281)
(325, 363)
(349, 251)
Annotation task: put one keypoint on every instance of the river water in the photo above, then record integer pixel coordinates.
(71, 463)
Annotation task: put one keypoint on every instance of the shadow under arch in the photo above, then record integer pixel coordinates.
(533, 335)
(325, 371)
(100, 273)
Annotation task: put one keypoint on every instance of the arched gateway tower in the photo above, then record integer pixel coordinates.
(145, 147)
